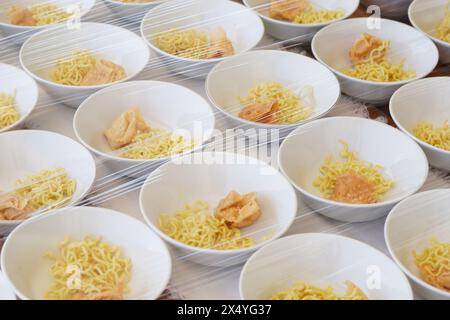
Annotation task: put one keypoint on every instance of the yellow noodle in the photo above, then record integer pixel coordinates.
(71, 71)
(436, 136)
(195, 226)
(443, 28)
(434, 264)
(312, 15)
(8, 112)
(156, 143)
(188, 44)
(380, 72)
(291, 108)
(47, 188)
(88, 269)
(83, 68)
(384, 71)
(46, 13)
(304, 291)
(331, 169)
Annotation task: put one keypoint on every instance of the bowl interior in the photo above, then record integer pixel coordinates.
(413, 222)
(84, 5)
(214, 175)
(408, 45)
(424, 100)
(15, 81)
(24, 263)
(426, 14)
(305, 150)
(42, 51)
(234, 77)
(243, 27)
(322, 260)
(30, 151)
(263, 6)
(163, 105)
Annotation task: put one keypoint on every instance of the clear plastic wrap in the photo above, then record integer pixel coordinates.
(113, 190)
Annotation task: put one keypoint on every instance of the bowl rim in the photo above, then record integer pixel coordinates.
(192, 60)
(77, 209)
(269, 125)
(301, 25)
(376, 83)
(76, 122)
(392, 107)
(398, 262)
(73, 202)
(416, 26)
(289, 190)
(40, 28)
(329, 236)
(80, 88)
(6, 286)
(349, 205)
(35, 90)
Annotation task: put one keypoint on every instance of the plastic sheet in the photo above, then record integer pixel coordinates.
(115, 191)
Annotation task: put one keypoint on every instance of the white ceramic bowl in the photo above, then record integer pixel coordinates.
(26, 268)
(243, 27)
(234, 77)
(40, 53)
(394, 9)
(6, 292)
(133, 11)
(425, 16)
(322, 260)
(410, 226)
(424, 100)
(164, 105)
(16, 81)
(331, 45)
(303, 152)
(29, 151)
(285, 30)
(19, 34)
(210, 177)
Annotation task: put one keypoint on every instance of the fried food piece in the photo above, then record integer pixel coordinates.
(238, 211)
(353, 188)
(103, 72)
(260, 112)
(20, 16)
(128, 125)
(220, 46)
(13, 207)
(444, 281)
(361, 49)
(287, 9)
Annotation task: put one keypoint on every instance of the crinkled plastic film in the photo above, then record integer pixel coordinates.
(115, 189)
